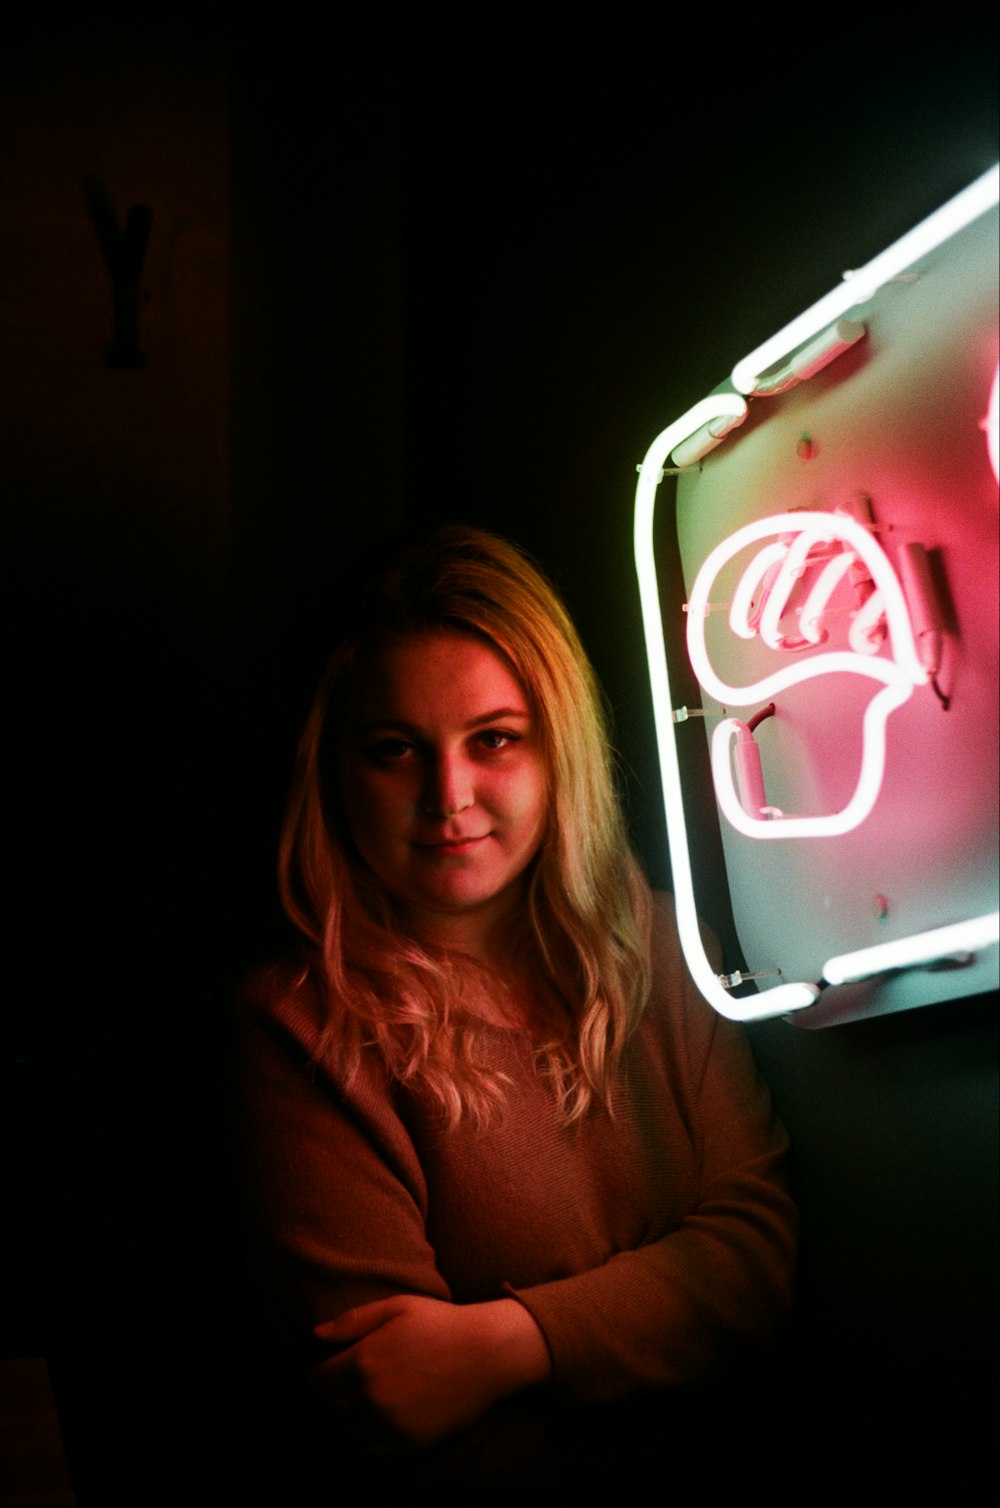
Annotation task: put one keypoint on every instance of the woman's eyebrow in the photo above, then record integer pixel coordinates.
(499, 715)
(401, 725)
(386, 724)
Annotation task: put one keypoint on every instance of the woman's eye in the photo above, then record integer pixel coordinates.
(494, 740)
(388, 750)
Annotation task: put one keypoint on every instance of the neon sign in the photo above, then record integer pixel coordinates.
(799, 603)
(837, 545)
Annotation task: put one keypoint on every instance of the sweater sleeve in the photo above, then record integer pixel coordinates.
(668, 1312)
(333, 1193)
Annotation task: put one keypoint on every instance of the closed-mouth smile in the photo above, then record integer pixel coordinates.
(446, 846)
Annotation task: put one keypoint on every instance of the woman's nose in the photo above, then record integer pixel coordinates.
(448, 788)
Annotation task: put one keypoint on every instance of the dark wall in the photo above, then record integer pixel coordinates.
(115, 477)
(395, 278)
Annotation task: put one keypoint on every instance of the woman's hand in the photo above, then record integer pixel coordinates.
(425, 1369)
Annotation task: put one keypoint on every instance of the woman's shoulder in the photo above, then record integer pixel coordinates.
(666, 947)
(664, 909)
(677, 1010)
(289, 1048)
(282, 995)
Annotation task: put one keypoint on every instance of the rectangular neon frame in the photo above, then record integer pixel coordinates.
(977, 933)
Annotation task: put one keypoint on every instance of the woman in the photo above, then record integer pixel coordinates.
(507, 1170)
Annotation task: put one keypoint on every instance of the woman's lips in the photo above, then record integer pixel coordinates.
(450, 846)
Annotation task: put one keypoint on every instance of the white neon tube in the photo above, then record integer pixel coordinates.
(818, 527)
(797, 552)
(825, 349)
(952, 217)
(755, 583)
(785, 998)
(799, 534)
(815, 605)
(920, 948)
(831, 824)
(691, 450)
(865, 635)
(991, 424)
(819, 353)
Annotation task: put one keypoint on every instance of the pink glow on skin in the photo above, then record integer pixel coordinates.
(776, 569)
(443, 784)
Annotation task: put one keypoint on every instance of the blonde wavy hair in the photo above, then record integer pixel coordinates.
(585, 924)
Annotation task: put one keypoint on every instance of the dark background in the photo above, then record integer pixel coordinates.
(398, 273)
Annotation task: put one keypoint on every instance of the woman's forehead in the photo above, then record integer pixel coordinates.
(437, 674)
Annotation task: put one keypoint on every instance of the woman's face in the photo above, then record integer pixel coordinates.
(443, 783)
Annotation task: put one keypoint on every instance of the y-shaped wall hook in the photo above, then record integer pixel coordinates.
(124, 253)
